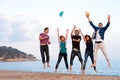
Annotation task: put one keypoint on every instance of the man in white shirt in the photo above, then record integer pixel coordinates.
(99, 39)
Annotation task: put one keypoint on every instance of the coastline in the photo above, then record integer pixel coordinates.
(20, 75)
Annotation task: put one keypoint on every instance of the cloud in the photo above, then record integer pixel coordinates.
(18, 29)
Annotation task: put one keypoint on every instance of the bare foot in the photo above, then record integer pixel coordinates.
(109, 64)
(55, 70)
(83, 72)
(93, 66)
(44, 66)
(48, 65)
(70, 68)
(96, 71)
(67, 70)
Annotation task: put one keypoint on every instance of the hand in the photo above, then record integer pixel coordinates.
(57, 30)
(74, 26)
(66, 30)
(49, 42)
(87, 14)
(109, 17)
(79, 30)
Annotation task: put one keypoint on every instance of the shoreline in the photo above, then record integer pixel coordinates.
(21, 75)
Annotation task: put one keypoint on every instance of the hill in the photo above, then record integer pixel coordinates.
(12, 54)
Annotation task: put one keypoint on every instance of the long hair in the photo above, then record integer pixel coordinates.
(90, 39)
(61, 37)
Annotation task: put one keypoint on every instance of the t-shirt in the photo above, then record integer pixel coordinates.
(44, 41)
(63, 47)
(74, 43)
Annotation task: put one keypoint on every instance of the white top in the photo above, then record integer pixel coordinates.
(98, 38)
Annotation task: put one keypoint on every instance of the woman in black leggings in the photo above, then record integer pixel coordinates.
(88, 50)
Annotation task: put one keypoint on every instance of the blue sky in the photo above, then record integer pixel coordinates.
(21, 21)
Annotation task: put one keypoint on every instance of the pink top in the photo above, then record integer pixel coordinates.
(45, 40)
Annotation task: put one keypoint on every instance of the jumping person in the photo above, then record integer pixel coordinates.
(44, 48)
(88, 51)
(76, 38)
(63, 50)
(99, 39)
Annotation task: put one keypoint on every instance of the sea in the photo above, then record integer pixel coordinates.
(37, 66)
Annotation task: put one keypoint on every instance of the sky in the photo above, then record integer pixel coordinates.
(21, 22)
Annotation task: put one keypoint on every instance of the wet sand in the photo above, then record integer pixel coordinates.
(16, 75)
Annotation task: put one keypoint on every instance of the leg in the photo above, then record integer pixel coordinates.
(65, 59)
(59, 59)
(85, 61)
(71, 59)
(92, 59)
(42, 55)
(80, 59)
(95, 54)
(47, 55)
(105, 53)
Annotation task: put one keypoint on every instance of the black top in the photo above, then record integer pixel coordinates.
(74, 43)
(89, 46)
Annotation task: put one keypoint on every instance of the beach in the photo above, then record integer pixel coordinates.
(18, 75)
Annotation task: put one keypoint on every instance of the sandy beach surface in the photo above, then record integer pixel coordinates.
(15, 75)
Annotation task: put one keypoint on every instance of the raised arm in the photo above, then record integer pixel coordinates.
(90, 21)
(109, 17)
(82, 35)
(88, 16)
(108, 23)
(58, 35)
(73, 30)
(66, 34)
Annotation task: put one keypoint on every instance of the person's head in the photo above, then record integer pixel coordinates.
(46, 30)
(62, 38)
(100, 25)
(88, 38)
(76, 32)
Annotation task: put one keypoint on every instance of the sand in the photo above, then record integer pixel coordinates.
(15, 75)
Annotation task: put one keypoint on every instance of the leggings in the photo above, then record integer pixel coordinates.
(44, 49)
(59, 59)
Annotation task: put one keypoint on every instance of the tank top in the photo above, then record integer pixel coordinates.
(63, 47)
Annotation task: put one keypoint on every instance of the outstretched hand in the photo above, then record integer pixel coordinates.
(109, 17)
(79, 30)
(57, 29)
(87, 14)
(74, 26)
(67, 30)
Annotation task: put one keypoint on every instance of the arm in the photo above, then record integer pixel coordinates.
(109, 18)
(93, 35)
(66, 34)
(40, 37)
(82, 35)
(76, 40)
(49, 41)
(73, 30)
(90, 21)
(87, 15)
(58, 35)
(108, 23)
